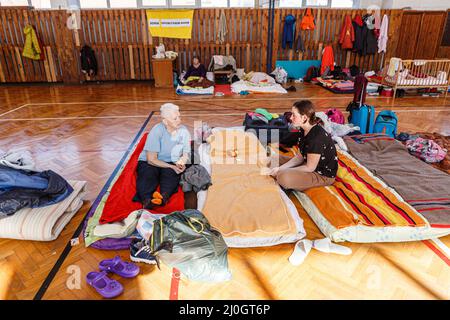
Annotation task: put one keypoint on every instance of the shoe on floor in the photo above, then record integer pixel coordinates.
(325, 245)
(118, 266)
(301, 250)
(140, 251)
(104, 285)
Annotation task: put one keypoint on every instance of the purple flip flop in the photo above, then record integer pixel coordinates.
(120, 267)
(105, 286)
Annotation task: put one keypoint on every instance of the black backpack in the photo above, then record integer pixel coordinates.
(312, 72)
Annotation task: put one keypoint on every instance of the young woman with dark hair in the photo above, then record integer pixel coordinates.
(317, 164)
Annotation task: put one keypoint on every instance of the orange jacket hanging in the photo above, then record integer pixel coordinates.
(307, 21)
(327, 59)
(347, 36)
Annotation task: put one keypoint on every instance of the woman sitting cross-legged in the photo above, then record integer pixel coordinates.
(317, 164)
(196, 75)
(163, 159)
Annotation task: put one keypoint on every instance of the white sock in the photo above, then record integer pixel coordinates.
(301, 250)
(325, 245)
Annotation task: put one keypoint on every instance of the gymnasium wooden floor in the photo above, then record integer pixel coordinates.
(83, 131)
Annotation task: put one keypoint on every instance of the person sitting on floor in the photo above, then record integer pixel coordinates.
(196, 69)
(163, 159)
(318, 163)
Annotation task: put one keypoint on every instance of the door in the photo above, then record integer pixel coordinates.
(428, 40)
(409, 29)
(420, 34)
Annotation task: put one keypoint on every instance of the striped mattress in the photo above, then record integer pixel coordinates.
(46, 223)
(360, 207)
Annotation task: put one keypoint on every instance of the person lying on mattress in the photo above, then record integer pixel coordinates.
(163, 159)
(317, 164)
(196, 75)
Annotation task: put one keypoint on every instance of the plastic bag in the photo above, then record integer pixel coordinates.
(185, 240)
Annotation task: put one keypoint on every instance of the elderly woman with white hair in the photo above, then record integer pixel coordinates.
(163, 159)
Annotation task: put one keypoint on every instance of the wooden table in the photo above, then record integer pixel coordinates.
(163, 72)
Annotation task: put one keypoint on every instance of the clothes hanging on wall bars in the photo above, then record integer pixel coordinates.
(33, 48)
(383, 38)
(288, 32)
(308, 21)
(299, 44)
(327, 59)
(221, 34)
(358, 28)
(370, 43)
(347, 36)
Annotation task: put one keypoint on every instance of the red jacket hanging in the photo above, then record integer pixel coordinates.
(327, 59)
(347, 36)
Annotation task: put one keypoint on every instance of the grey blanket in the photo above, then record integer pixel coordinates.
(195, 178)
(422, 186)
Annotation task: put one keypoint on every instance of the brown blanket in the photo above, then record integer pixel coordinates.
(422, 186)
(242, 201)
(204, 83)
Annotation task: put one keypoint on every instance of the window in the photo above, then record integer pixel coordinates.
(342, 3)
(183, 3)
(41, 4)
(290, 3)
(317, 3)
(154, 3)
(214, 3)
(93, 4)
(123, 3)
(242, 3)
(13, 3)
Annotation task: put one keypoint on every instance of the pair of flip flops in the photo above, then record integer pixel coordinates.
(104, 285)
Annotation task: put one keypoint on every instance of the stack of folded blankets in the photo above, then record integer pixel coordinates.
(262, 115)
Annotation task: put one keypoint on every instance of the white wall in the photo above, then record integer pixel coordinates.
(414, 4)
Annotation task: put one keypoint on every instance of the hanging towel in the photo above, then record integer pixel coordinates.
(288, 31)
(383, 38)
(33, 47)
(299, 46)
(327, 59)
(307, 21)
(222, 27)
(347, 36)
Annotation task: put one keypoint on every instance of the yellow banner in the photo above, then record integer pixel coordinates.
(170, 23)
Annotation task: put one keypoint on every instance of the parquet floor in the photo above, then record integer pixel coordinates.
(82, 133)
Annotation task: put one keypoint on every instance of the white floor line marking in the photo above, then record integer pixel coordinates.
(72, 118)
(204, 99)
(5, 113)
(442, 246)
(212, 98)
(183, 113)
